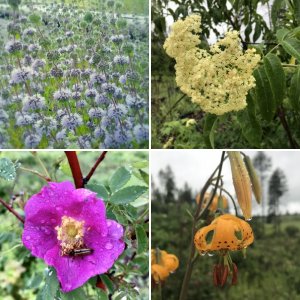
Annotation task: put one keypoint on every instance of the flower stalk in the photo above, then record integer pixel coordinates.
(197, 216)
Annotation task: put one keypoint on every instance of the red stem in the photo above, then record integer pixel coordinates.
(12, 210)
(99, 160)
(75, 168)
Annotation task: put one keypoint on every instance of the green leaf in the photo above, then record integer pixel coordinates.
(119, 179)
(74, 295)
(264, 95)
(141, 239)
(51, 286)
(100, 189)
(276, 76)
(7, 169)
(128, 194)
(281, 34)
(101, 295)
(257, 31)
(108, 283)
(209, 129)
(294, 94)
(145, 176)
(141, 164)
(292, 47)
(251, 128)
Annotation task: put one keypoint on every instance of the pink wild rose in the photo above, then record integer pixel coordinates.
(61, 221)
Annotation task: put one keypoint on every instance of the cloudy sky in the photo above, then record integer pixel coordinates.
(195, 166)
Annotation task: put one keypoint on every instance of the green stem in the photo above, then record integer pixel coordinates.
(34, 153)
(191, 261)
(46, 178)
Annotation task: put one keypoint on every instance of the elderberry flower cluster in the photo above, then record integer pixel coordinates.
(219, 79)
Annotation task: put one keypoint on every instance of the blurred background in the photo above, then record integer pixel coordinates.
(271, 268)
(22, 275)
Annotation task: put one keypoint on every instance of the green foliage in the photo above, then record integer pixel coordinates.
(7, 169)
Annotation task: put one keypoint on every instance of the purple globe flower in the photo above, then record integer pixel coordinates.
(60, 222)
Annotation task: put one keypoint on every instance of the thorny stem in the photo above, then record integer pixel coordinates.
(197, 215)
(12, 211)
(99, 160)
(284, 123)
(46, 178)
(75, 168)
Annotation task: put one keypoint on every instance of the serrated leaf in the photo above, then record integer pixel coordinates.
(264, 95)
(276, 76)
(74, 295)
(128, 194)
(100, 189)
(294, 94)
(119, 179)
(292, 47)
(7, 169)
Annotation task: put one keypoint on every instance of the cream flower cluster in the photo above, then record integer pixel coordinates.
(218, 80)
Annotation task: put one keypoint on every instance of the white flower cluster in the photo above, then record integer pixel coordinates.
(218, 80)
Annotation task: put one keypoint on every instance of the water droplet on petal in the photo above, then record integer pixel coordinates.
(109, 246)
(249, 219)
(210, 254)
(202, 253)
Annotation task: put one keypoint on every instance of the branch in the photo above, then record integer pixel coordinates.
(99, 160)
(46, 178)
(12, 211)
(75, 168)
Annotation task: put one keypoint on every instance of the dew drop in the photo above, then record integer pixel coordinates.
(210, 254)
(249, 219)
(50, 272)
(202, 253)
(109, 246)
(58, 208)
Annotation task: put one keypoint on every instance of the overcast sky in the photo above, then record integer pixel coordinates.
(195, 166)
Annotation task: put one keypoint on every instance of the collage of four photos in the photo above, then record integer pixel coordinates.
(149, 149)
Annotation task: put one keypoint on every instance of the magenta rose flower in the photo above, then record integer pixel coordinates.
(68, 229)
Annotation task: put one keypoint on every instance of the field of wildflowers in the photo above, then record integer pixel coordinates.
(73, 77)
